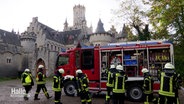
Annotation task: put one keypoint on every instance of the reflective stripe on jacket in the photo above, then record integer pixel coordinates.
(40, 78)
(110, 82)
(26, 79)
(56, 85)
(119, 83)
(83, 83)
(166, 85)
(148, 85)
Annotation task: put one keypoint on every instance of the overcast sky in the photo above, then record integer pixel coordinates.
(17, 14)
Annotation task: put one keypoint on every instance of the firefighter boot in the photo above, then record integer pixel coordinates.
(47, 95)
(25, 97)
(89, 102)
(36, 97)
(155, 100)
(106, 102)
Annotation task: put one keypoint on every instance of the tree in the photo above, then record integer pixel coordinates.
(133, 14)
(167, 17)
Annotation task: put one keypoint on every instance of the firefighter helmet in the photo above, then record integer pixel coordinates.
(78, 71)
(40, 66)
(119, 67)
(61, 70)
(168, 66)
(145, 70)
(112, 66)
(27, 70)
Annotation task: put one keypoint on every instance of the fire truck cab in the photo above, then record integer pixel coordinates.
(133, 56)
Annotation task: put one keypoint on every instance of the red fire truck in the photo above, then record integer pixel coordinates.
(133, 56)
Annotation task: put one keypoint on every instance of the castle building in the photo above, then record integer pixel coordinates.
(122, 36)
(10, 54)
(40, 44)
(79, 21)
(100, 37)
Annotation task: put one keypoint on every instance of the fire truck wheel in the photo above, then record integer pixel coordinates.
(70, 88)
(135, 93)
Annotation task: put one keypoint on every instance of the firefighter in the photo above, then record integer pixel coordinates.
(147, 86)
(119, 85)
(41, 81)
(58, 85)
(178, 81)
(110, 83)
(27, 82)
(82, 85)
(169, 82)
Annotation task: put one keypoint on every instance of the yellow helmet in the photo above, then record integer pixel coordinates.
(168, 66)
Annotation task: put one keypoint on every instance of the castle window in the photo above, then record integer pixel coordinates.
(48, 46)
(8, 60)
(51, 47)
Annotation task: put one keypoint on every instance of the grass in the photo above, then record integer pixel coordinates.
(6, 79)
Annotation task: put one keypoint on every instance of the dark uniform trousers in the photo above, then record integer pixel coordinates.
(149, 98)
(109, 90)
(166, 100)
(85, 97)
(118, 98)
(28, 88)
(57, 97)
(44, 89)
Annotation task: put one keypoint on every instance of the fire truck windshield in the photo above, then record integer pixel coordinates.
(62, 60)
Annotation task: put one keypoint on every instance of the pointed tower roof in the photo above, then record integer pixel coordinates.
(100, 28)
(123, 33)
(66, 23)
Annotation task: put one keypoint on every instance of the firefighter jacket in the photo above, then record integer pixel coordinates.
(110, 76)
(178, 80)
(40, 78)
(168, 84)
(119, 83)
(26, 79)
(82, 83)
(57, 84)
(148, 84)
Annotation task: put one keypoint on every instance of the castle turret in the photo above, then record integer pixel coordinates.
(28, 41)
(100, 28)
(100, 37)
(122, 35)
(65, 25)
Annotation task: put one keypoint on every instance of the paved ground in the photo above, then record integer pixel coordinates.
(8, 97)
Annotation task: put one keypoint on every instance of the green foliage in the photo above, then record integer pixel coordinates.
(6, 79)
(134, 14)
(167, 17)
(179, 58)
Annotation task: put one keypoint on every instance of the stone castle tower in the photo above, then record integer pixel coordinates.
(79, 21)
(28, 40)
